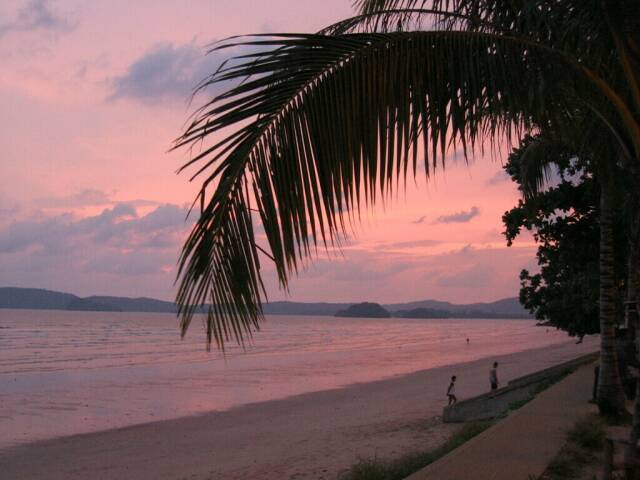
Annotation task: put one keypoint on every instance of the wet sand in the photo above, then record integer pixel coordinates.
(69, 373)
(309, 436)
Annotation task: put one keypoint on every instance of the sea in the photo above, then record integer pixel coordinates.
(65, 373)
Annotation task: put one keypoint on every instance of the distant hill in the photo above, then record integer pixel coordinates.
(423, 313)
(504, 308)
(142, 304)
(296, 308)
(365, 309)
(467, 313)
(35, 298)
(39, 299)
(85, 304)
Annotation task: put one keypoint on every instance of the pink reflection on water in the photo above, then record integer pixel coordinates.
(63, 373)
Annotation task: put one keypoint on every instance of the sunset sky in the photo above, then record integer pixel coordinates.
(93, 94)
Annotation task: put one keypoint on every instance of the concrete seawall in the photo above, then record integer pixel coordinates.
(521, 446)
(498, 402)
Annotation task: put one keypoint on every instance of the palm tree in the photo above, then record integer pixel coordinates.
(318, 125)
(536, 159)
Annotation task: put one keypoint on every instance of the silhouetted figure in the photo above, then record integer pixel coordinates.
(451, 391)
(467, 341)
(493, 376)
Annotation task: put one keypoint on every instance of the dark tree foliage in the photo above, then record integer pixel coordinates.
(563, 219)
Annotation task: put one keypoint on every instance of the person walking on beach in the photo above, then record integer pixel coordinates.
(451, 391)
(493, 376)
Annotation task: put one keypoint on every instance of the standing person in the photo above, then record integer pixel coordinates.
(451, 391)
(493, 376)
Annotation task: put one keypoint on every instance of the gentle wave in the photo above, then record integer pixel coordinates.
(70, 372)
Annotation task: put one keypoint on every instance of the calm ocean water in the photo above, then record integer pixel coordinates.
(64, 373)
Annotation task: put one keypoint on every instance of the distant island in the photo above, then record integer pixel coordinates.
(462, 313)
(375, 310)
(425, 313)
(365, 309)
(40, 299)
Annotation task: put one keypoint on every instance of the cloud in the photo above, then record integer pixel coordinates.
(35, 15)
(119, 251)
(356, 271)
(100, 240)
(8, 212)
(459, 217)
(84, 198)
(476, 276)
(88, 198)
(131, 263)
(358, 267)
(464, 274)
(169, 72)
(420, 220)
(412, 244)
(500, 177)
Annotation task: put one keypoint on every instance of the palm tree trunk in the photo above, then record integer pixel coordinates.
(631, 452)
(610, 395)
(631, 314)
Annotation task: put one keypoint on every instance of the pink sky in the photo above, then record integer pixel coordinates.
(94, 92)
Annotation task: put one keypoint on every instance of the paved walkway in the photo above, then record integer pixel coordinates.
(521, 446)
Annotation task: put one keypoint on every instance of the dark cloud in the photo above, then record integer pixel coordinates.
(118, 228)
(21, 235)
(117, 242)
(169, 72)
(459, 217)
(35, 15)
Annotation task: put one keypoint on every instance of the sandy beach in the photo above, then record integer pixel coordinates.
(310, 436)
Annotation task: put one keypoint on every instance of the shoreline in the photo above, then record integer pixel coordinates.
(309, 435)
(91, 376)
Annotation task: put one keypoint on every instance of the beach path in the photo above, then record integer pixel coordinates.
(522, 445)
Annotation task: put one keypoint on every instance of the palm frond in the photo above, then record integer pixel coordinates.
(401, 15)
(537, 163)
(560, 25)
(322, 125)
(385, 21)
